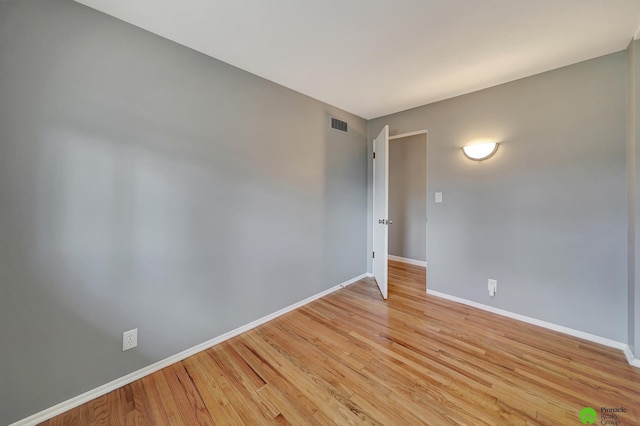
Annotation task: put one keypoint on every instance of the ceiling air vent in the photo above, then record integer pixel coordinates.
(338, 125)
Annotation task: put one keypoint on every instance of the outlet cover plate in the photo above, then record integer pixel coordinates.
(493, 287)
(129, 339)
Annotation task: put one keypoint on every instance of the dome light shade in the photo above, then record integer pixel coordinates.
(480, 151)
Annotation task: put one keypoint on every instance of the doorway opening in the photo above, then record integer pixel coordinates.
(407, 207)
(409, 202)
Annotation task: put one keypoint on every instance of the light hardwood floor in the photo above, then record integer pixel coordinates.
(352, 358)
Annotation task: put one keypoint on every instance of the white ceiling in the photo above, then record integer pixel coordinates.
(375, 57)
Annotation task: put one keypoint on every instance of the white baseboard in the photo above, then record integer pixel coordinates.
(409, 261)
(136, 375)
(630, 358)
(551, 326)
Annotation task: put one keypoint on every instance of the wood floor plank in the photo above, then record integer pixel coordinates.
(354, 358)
(329, 400)
(278, 391)
(116, 407)
(162, 406)
(186, 395)
(101, 411)
(200, 368)
(243, 406)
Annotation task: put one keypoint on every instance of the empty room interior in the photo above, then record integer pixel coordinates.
(363, 212)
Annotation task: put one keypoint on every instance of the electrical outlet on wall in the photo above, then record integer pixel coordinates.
(493, 287)
(129, 339)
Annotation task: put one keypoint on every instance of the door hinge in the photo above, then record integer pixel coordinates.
(374, 155)
(373, 254)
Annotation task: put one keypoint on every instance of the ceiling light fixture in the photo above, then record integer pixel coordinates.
(480, 151)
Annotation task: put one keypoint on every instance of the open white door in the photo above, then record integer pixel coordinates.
(381, 210)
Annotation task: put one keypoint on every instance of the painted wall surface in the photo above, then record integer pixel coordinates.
(145, 185)
(633, 194)
(407, 197)
(546, 215)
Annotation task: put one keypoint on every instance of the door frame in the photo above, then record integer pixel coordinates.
(424, 132)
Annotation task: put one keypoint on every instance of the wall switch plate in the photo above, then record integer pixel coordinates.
(438, 197)
(129, 339)
(492, 285)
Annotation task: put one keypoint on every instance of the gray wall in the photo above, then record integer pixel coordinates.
(545, 216)
(145, 185)
(408, 197)
(633, 191)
